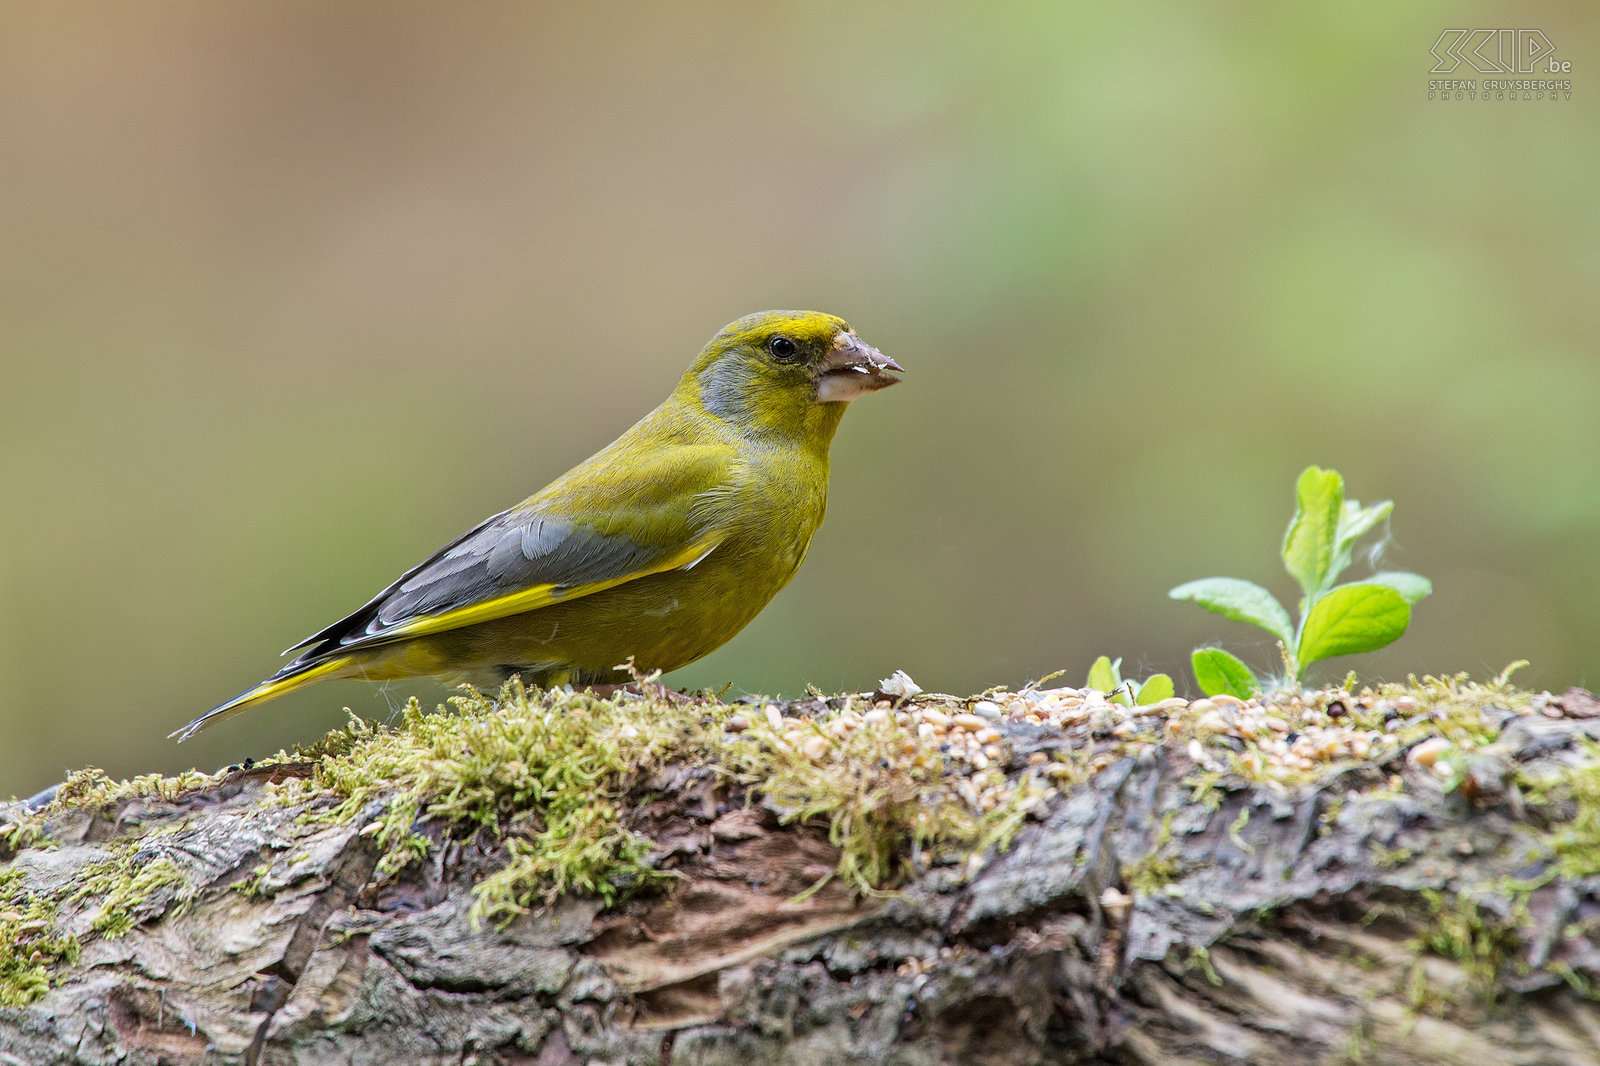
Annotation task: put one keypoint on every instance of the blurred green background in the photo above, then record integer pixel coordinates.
(293, 293)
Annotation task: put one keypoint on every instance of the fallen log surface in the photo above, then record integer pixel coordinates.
(1170, 884)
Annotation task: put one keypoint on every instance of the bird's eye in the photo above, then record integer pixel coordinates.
(783, 348)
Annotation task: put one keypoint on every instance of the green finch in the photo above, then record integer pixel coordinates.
(655, 550)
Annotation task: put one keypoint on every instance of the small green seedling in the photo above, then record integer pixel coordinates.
(1106, 676)
(1334, 619)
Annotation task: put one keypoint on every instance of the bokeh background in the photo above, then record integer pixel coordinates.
(292, 293)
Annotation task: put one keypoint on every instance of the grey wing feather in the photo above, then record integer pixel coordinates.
(512, 550)
(526, 550)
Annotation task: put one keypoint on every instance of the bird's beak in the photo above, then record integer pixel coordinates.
(852, 368)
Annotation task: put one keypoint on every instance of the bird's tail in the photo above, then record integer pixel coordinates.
(291, 677)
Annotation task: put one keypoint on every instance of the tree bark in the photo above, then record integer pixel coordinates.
(1130, 922)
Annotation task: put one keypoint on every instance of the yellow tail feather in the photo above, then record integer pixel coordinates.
(270, 689)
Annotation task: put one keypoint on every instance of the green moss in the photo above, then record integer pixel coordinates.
(600, 859)
(1576, 841)
(1332, 807)
(89, 789)
(1575, 980)
(92, 788)
(1200, 959)
(887, 795)
(1570, 797)
(544, 773)
(135, 871)
(1456, 707)
(31, 943)
(1387, 858)
(1361, 1042)
(1483, 945)
(1070, 768)
(30, 946)
(1159, 868)
(557, 778)
(23, 829)
(1207, 787)
(1237, 827)
(125, 883)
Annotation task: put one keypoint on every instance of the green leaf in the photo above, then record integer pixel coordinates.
(1413, 587)
(1221, 674)
(1105, 674)
(1308, 545)
(1353, 618)
(1354, 524)
(1157, 687)
(1240, 600)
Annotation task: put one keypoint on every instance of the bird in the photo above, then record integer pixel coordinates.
(644, 557)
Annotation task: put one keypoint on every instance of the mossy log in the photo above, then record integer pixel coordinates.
(1178, 887)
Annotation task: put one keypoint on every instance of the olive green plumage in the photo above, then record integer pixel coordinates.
(658, 548)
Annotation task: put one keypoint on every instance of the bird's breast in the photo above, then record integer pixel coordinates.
(783, 502)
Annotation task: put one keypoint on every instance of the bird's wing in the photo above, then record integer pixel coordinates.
(581, 535)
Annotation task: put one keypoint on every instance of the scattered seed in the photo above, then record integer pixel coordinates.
(1427, 753)
(1116, 901)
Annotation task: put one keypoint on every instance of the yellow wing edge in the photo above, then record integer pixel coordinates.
(269, 689)
(536, 596)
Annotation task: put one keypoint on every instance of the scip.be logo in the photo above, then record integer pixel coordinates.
(1496, 52)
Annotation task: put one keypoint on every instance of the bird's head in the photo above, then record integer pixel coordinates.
(787, 372)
